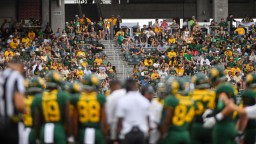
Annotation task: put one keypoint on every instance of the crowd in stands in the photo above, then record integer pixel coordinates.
(74, 51)
(162, 49)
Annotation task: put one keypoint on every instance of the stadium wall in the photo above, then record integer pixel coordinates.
(8, 10)
(185, 10)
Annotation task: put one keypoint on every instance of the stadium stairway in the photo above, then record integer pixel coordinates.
(115, 58)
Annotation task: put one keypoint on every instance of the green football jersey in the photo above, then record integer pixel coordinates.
(205, 99)
(183, 110)
(89, 107)
(52, 105)
(27, 117)
(230, 91)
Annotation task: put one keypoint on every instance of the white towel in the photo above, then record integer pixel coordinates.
(48, 133)
(26, 135)
(89, 136)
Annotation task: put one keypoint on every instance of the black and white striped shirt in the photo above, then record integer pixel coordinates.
(11, 81)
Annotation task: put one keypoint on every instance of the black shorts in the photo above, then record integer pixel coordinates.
(9, 134)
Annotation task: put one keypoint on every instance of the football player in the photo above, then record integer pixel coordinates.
(34, 87)
(91, 114)
(52, 112)
(216, 77)
(205, 99)
(225, 129)
(247, 124)
(179, 112)
(74, 89)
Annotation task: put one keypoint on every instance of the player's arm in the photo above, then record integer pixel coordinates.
(19, 97)
(241, 123)
(166, 121)
(226, 101)
(104, 120)
(37, 122)
(223, 101)
(68, 123)
(37, 116)
(67, 120)
(249, 111)
(75, 123)
(19, 101)
(75, 118)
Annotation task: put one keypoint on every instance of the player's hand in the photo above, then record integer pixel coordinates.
(209, 122)
(207, 113)
(239, 137)
(71, 140)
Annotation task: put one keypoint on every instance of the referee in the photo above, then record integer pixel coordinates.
(12, 91)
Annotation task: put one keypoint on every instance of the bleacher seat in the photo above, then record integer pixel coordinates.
(130, 61)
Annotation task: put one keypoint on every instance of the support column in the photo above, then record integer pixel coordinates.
(203, 10)
(254, 8)
(220, 9)
(45, 12)
(57, 14)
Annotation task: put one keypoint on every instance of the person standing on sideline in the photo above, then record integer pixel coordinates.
(116, 94)
(156, 108)
(12, 101)
(133, 115)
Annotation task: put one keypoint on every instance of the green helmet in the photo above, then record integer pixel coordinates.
(216, 75)
(248, 97)
(53, 79)
(90, 81)
(251, 80)
(75, 87)
(227, 88)
(200, 81)
(36, 85)
(175, 85)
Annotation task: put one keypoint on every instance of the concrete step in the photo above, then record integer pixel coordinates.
(116, 59)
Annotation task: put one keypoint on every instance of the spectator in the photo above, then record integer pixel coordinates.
(238, 78)
(230, 19)
(102, 75)
(240, 31)
(223, 24)
(163, 74)
(155, 75)
(180, 70)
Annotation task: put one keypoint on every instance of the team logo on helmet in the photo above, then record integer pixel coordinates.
(214, 72)
(56, 76)
(249, 78)
(94, 80)
(76, 87)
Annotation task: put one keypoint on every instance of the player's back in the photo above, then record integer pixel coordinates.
(183, 112)
(89, 106)
(205, 99)
(52, 103)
